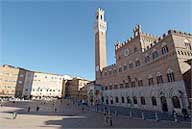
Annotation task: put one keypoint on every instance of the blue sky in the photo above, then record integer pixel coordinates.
(57, 36)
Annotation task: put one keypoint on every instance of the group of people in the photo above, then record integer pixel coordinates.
(38, 108)
(29, 109)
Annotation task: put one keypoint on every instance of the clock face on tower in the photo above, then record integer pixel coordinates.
(97, 68)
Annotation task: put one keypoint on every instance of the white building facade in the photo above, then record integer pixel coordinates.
(47, 85)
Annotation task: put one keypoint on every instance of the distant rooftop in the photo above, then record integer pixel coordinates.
(65, 76)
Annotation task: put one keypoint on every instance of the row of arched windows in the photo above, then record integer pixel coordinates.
(129, 100)
(155, 54)
(184, 53)
(151, 81)
(134, 100)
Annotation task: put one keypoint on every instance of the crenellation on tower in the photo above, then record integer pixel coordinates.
(179, 33)
(137, 30)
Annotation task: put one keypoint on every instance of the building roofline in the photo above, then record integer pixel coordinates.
(34, 71)
(119, 45)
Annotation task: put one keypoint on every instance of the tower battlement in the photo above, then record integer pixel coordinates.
(138, 32)
(100, 10)
(161, 38)
(179, 32)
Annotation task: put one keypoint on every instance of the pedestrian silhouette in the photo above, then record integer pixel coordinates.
(37, 109)
(110, 119)
(14, 115)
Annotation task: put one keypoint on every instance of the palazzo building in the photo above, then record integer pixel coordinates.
(75, 88)
(22, 83)
(11, 81)
(148, 72)
(8, 80)
(46, 85)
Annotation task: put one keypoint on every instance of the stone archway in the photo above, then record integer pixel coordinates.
(163, 100)
(180, 96)
(164, 105)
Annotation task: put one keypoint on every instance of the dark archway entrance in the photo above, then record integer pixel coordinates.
(164, 104)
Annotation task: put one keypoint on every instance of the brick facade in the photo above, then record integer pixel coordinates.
(148, 66)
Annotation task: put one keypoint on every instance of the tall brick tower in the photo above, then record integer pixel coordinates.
(100, 28)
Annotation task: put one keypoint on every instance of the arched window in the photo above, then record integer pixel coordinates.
(159, 78)
(97, 17)
(164, 50)
(110, 72)
(116, 99)
(170, 76)
(107, 101)
(121, 86)
(147, 58)
(137, 63)
(111, 100)
(140, 83)
(120, 69)
(150, 81)
(114, 71)
(125, 67)
(175, 101)
(155, 54)
(133, 84)
(101, 17)
(115, 86)
(128, 100)
(142, 100)
(135, 100)
(130, 65)
(122, 99)
(154, 101)
(126, 85)
(187, 44)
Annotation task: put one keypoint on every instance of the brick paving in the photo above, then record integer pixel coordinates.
(125, 111)
(69, 116)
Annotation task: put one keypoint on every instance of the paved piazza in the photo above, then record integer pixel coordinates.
(68, 116)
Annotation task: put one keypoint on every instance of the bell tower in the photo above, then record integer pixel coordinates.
(100, 28)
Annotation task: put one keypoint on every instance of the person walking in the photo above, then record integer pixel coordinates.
(37, 109)
(14, 115)
(110, 119)
(105, 118)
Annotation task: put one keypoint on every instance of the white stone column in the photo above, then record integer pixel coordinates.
(169, 105)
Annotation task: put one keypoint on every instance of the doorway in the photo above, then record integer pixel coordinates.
(164, 104)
